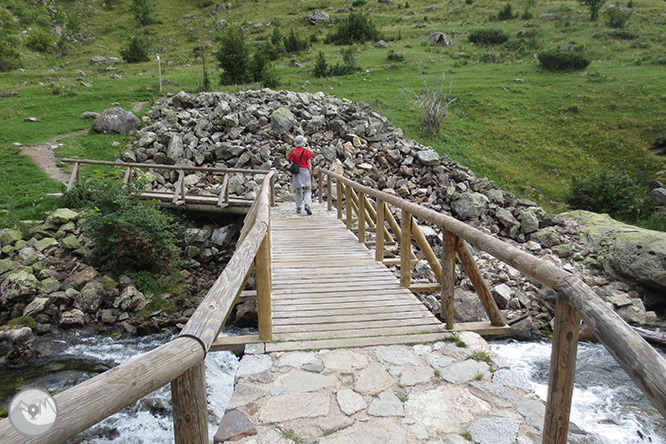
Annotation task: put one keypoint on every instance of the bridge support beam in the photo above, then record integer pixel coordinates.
(190, 410)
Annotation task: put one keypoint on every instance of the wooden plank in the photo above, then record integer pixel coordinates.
(398, 261)
(347, 326)
(425, 288)
(347, 309)
(356, 333)
(348, 318)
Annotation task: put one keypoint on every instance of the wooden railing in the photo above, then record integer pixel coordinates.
(179, 194)
(575, 300)
(179, 362)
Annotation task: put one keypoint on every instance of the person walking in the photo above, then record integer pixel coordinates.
(301, 183)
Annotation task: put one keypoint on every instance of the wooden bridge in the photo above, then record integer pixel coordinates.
(318, 285)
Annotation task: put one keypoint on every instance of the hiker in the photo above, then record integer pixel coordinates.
(301, 183)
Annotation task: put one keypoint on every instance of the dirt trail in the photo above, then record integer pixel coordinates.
(42, 155)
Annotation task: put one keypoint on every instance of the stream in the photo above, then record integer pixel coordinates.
(605, 401)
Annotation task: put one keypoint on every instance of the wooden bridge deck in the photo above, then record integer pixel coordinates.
(327, 285)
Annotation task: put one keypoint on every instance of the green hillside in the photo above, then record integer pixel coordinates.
(529, 129)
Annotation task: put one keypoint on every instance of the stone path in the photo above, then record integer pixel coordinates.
(427, 393)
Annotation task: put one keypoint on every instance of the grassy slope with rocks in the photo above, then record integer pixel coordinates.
(528, 129)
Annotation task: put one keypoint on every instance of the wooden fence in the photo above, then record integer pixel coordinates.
(575, 300)
(179, 195)
(179, 362)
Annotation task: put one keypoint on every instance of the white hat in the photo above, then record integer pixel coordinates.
(300, 141)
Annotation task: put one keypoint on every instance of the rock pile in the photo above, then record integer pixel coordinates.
(255, 129)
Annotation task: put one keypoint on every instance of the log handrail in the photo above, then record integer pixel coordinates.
(642, 363)
(178, 361)
(119, 163)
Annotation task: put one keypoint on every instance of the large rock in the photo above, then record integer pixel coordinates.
(62, 215)
(625, 250)
(91, 297)
(317, 16)
(131, 300)
(18, 285)
(116, 121)
(282, 120)
(470, 205)
(9, 237)
(437, 38)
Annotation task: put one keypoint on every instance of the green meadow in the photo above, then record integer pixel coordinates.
(530, 130)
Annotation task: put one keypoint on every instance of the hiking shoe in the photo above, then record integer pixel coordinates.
(308, 210)
(298, 210)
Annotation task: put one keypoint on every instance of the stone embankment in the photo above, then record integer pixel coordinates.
(255, 129)
(45, 274)
(438, 393)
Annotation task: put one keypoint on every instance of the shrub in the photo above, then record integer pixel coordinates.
(40, 41)
(129, 234)
(619, 195)
(433, 105)
(396, 56)
(488, 36)
(294, 43)
(506, 13)
(142, 10)
(261, 69)
(136, 51)
(234, 58)
(358, 3)
(277, 40)
(321, 67)
(617, 17)
(563, 60)
(355, 28)
(526, 15)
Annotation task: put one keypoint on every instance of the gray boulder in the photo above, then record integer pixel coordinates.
(116, 121)
(36, 306)
(317, 17)
(624, 250)
(428, 157)
(658, 196)
(224, 235)
(469, 205)
(282, 120)
(131, 299)
(91, 297)
(437, 38)
(18, 285)
(72, 318)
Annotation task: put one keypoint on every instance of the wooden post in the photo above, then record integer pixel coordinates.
(449, 241)
(356, 198)
(329, 194)
(379, 247)
(190, 409)
(361, 218)
(405, 250)
(321, 187)
(562, 373)
(225, 183)
(472, 270)
(264, 284)
(182, 185)
(349, 206)
(272, 199)
(339, 200)
(128, 175)
(72, 178)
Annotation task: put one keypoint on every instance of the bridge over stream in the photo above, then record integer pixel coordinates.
(319, 285)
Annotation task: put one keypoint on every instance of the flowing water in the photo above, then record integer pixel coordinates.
(150, 420)
(605, 402)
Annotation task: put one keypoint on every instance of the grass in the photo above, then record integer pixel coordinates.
(529, 130)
